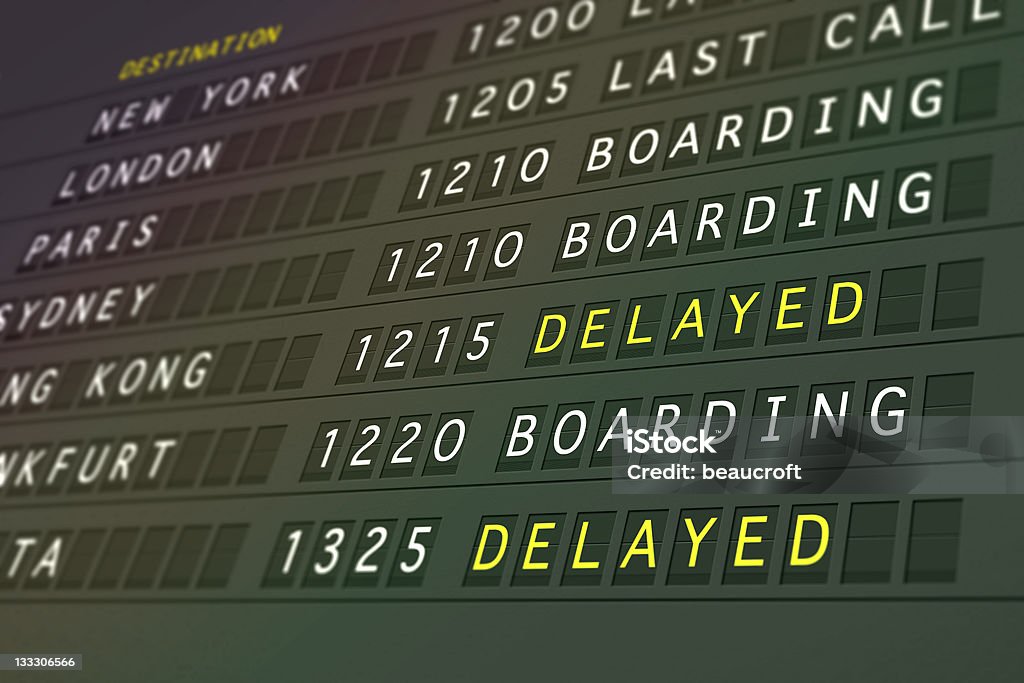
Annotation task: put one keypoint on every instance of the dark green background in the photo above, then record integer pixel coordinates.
(900, 629)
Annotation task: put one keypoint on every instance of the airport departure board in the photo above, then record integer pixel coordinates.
(465, 340)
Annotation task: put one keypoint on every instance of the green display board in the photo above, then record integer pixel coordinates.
(328, 332)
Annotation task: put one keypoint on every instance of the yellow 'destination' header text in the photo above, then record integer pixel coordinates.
(178, 57)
